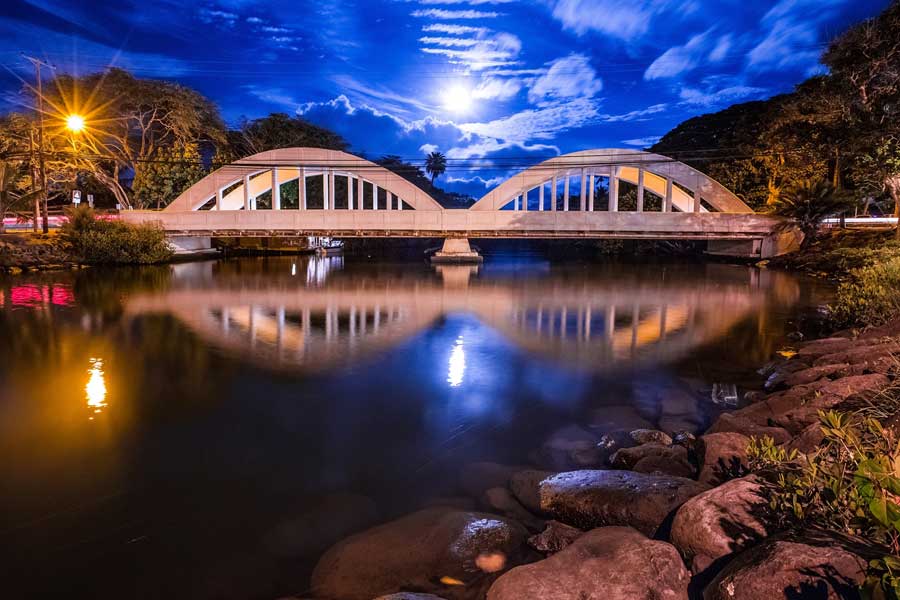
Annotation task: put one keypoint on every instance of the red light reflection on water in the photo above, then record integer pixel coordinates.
(35, 296)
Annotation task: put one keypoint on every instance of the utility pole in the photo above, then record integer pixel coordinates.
(38, 63)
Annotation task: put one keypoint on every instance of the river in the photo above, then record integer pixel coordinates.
(207, 430)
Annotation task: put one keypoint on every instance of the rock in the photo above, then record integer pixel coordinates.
(822, 347)
(722, 456)
(650, 458)
(525, 486)
(555, 537)
(612, 442)
(661, 465)
(782, 569)
(808, 440)
(558, 450)
(812, 374)
(612, 563)
(686, 439)
(502, 501)
(589, 499)
(416, 551)
(864, 354)
(409, 596)
(319, 524)
(735, 423)
(720, 522)
(651, 436)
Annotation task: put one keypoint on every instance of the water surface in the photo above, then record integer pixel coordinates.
(206, 430)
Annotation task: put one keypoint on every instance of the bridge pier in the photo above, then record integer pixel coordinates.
(456, 251)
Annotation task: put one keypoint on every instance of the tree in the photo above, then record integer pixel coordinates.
(129, 122)
(278, 130)
(14, 183)
(173, 170)
(865, 69)
(809, 203)
(435, 165)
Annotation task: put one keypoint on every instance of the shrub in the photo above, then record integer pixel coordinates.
(871, 295)
(98, 241)
(850, 486)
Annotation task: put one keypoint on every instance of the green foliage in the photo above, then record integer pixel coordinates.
(763, 453)
(278, 130)
(14, 184)
(850, 485)
(808, 203)
(100, 241)
(435, 165)
(871, 296)
(171, 171)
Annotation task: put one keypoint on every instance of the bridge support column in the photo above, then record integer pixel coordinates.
(390, 200)
(247, 192)
(591, 194)
(276, 190)
(640, 191)
(583, 195)
(670, 192)
(553, 192)
(456, 251)
(349, 192)
(541, 198)
(301, 183)
(614, 189)
(359, 192)
(566, 194)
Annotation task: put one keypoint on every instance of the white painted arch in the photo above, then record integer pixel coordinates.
(236, 186)
(650, 172)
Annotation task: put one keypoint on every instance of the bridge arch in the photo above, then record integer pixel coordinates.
(681, 187)
(236, 186)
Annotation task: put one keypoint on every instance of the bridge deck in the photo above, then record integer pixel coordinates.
(460, 223)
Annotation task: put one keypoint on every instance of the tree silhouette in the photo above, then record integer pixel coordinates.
(435, 165)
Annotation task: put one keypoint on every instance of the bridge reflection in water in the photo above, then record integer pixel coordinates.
(312, 318)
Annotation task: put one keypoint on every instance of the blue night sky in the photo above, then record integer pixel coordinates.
(498, 83)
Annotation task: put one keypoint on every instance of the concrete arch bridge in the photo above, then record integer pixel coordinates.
(603, 193)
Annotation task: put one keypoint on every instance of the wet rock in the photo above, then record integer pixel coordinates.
(416, 551)
(818, 348)
(685, 439)
(613, 563)
(780, 373)
(503, 501)
(812, 374)
(735, 423)
(525, 486)
(782, 569)
(558, 450)
(722, 456)
(861, 355)
(651, 458)
(720, 522)
(612, 442)
(808, 440)
(589, 499)
(319, 524)
(651, 436)
(555, 537)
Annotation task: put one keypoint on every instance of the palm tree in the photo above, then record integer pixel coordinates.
(809, 203)
(11, 188)
(435, 165)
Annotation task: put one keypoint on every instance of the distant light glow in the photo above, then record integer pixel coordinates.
(457, 367)
(457, 99)
(95, 390)
(75, 123)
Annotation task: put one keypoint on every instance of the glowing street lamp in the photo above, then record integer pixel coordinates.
(75, 123)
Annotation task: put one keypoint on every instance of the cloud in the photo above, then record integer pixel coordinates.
(719, 53)
(428, 148)
(566, 78)
(496, 89)
(439, 13)
(793, 35)
(623, 20)
(634, 115)
(695, 97)
(644, 142)
(679, 59)
(495, 50)
(537, 124)
(454, 29)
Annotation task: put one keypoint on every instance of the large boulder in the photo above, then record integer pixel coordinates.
(526, 487)
(613, 563)
(783, 569)
(737, 423)
(721, 521)
(416, 551)
(409, 596)
(590, 499)
(812, 374)
(554, 537)
(651, 436)
(654, 458)
(722, 456)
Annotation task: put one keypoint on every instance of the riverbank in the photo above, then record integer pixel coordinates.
(33, 252)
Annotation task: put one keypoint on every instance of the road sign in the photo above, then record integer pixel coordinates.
(91, 200)
(76, 196)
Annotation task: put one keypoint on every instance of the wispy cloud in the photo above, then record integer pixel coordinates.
(644, 142)
(708, 98)
(566, 78)
(622, 20)
(635, 115)
(679, 59)
(440, 13)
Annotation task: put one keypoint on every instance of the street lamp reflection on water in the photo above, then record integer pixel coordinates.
(95, 389)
